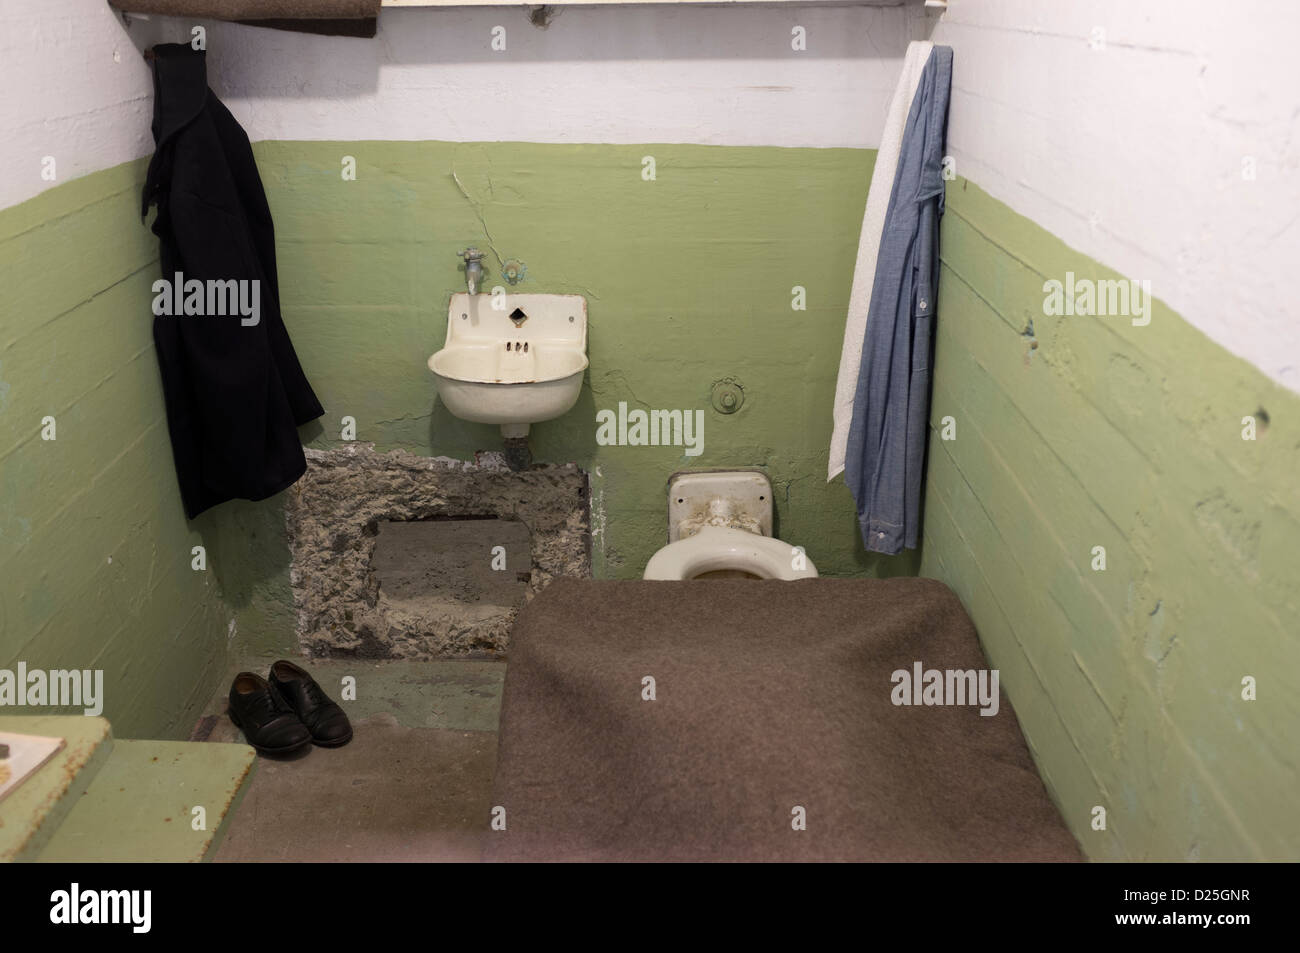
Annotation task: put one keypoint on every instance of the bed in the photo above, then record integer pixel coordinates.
(743, 720)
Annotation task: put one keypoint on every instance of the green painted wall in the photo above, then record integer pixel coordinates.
(1128, 681)
(94, 546)
(688, 280)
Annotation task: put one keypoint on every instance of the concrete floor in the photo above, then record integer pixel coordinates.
(414, 784)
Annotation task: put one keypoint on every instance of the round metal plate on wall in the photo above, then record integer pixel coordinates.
(727, 396)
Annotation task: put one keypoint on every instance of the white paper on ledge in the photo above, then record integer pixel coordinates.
(26, 754)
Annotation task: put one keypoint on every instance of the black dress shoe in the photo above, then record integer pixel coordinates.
(326, 721)
(266, 719)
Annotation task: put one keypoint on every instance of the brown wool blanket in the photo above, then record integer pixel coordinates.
(772, 704)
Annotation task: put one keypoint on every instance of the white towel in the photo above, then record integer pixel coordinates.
(864, 272)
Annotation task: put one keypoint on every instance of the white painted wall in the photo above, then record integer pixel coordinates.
(1133, 152)
(72, 86)
(724, 76)
(76, 87)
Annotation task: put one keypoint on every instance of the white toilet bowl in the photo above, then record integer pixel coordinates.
(720, 522)
(717, 548)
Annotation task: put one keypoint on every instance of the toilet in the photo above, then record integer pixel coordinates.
(720, 525)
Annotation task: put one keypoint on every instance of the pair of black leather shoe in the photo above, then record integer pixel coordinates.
(287, 712)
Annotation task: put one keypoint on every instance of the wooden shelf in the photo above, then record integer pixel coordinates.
(627, 3)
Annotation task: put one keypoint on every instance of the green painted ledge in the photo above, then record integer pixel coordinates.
(139, 807)
(33, 811)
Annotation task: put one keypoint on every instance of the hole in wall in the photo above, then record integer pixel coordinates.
(542, 16)
(453, 564)
(392, 554)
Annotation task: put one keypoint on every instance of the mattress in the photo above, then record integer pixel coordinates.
(744, 720)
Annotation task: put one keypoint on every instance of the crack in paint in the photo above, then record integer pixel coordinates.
(478, 212)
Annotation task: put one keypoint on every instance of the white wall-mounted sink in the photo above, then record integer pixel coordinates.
(512, 360)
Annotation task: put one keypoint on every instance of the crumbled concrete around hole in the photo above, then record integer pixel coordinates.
(348, 498)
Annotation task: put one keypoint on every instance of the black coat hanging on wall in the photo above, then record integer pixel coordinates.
(234, 389)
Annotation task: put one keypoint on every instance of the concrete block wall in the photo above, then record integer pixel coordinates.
(95, 551)
(1152, 143)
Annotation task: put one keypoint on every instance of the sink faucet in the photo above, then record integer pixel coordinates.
(473, 267)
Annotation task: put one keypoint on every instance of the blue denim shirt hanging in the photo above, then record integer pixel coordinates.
(887, 438)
